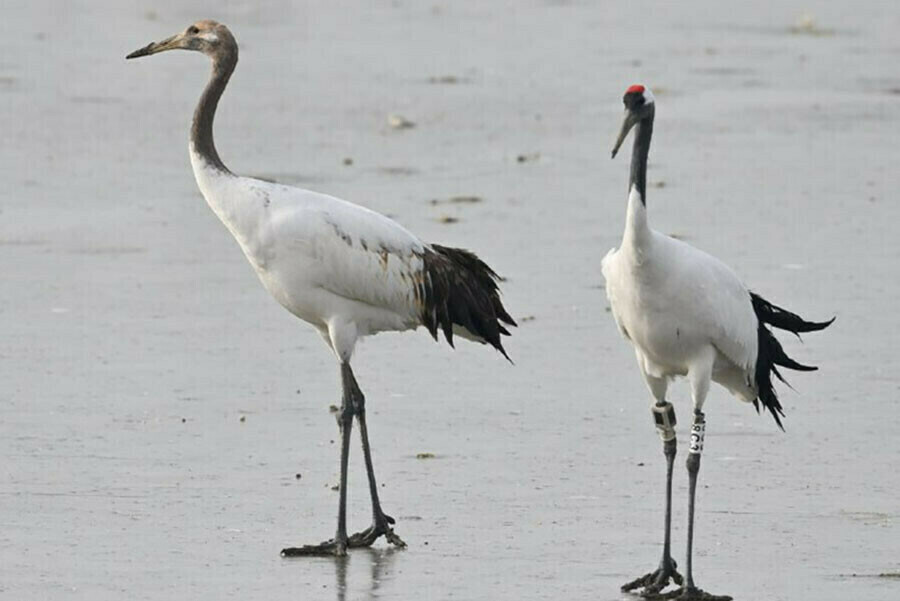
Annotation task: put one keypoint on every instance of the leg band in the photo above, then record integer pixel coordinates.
(698, 433)
(664, 416)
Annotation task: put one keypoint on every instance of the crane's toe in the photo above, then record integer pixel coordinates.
(692, 593)
(381, 527)
(652, 584)
(330, 548)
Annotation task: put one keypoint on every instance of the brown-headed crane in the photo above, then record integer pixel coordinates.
(346, 270)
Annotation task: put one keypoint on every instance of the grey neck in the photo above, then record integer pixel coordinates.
(639, 154)
(202, 127)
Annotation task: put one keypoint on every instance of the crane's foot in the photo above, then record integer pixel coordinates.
(330, 548)
(381, 527)
(692, 593)
(652, 584)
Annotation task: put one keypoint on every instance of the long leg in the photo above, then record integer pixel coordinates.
(664, 416)
(700, 376)
(381, 522)
(338, 545)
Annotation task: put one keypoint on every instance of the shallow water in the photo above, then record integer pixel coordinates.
(135, 336)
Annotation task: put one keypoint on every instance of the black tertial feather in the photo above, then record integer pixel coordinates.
(771, 354)
(460, 289)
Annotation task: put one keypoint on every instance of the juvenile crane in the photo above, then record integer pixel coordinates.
(687, 314)
(346, 270)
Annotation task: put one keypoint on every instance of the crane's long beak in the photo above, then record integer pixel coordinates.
(627, 124)
(153, 47)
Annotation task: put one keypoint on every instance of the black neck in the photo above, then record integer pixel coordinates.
(202, 128)
(640, 151)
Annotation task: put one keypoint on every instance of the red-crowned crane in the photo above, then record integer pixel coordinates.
(346, 270)
(687, 314)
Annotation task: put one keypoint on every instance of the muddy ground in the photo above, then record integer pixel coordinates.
(156, 405)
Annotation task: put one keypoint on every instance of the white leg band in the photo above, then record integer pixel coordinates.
(698, 433)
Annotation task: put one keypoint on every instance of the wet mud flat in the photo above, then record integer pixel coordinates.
(156, 406)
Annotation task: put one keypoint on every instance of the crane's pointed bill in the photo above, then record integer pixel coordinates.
(627, 124)
(154, 47)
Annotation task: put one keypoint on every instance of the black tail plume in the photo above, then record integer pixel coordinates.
(783, 319)
(771, 354)
(461, 289)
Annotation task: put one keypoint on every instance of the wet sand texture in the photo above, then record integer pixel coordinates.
(156, 405)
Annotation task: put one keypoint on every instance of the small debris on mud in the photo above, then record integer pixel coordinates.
(243, 418)
(806, 25)
(527, 318)
(525, 158)
(458, 200)
(447, 219)
(398, 170)
(425, 455)
(400, 122)
(333, 408)
(447, 79)
(348, 161)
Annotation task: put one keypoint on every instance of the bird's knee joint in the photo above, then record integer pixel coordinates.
(670, 448)
(693, 463)
(664, 417)
(359, 402)
(345, 414)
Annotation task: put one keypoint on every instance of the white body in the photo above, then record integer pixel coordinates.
(346, 270)
(685, 312)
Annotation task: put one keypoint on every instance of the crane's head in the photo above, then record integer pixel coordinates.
(209, 37)
(638, 101)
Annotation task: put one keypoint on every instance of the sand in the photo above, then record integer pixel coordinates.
(156, 404)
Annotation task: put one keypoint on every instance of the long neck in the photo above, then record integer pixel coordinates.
(202, 127)
(639, 153)
(637, 230)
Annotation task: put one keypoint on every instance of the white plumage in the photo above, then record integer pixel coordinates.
(685, 312)
(348, 271)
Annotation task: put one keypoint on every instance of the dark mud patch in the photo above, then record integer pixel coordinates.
(96, 100)
(457, 200)
(23, 242)
(108, 250)
(448, 80)
(401, 171)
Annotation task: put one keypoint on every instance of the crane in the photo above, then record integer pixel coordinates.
(687, 314)
(346, 270)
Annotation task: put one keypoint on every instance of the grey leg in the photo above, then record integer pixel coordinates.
(338, 545)
(690, 592)
(381, 522)
(654, 582)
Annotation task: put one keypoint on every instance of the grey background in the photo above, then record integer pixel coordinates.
(125, 307)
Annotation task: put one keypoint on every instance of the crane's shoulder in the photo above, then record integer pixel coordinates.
(672, 294)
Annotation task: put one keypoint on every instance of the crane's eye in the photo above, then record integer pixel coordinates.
(193, 30)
